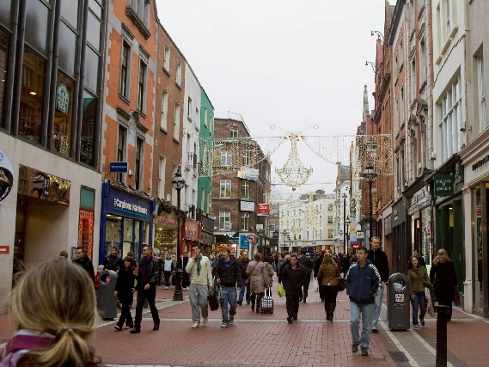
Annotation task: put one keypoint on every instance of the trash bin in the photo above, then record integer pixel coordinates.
(398, 302)
(106, 301)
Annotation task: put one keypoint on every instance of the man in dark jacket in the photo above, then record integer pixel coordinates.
(147, 276)
(308, 266)
(293, 280)
(243, 262)
(444, 281)
(362, 282)
(228, 274)
(113, 261)
(82, 259)
(378, 257)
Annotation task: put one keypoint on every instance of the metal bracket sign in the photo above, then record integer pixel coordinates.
(119, 167)
(443, 185)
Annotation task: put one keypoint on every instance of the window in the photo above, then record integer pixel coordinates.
(139, 163)
(142, 86)
(176, 123)
(330, 219)
(121, 148)
(66, 48)
(225, 220)
(412, 80)
(481, 91)
(247, 157)
(178, 77)
(206, 118)
(161, 177)
(91, 69)
(63, 118)
(189, 109)
(225, 189)
(449, 108)
(5, 9)
(438, 28)
(164, 112)
(125, 73)
(140, 7)
(245, 190)
(226, 159)
(166, 58)
(4, 56)
(36, 26)
(448, 24)
(234, 133)
(69, 11)
(423, 68)
(245, 222)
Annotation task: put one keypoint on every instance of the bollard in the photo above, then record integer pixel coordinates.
(441, 335)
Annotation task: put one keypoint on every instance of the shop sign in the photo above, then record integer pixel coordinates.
(443, 185)
(247, 206)
(420, 199)
(480, 163)
(62, 98)
(244, 241)
(86, 231)
(247, 173)
(263, 209)
(192, 230)
(166, 220)
(4, 249)
(127, 205)
(259, 227)
(43, 186)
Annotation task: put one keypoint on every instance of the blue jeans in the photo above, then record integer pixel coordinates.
(242, 291)
(366, 311)
(228, 303)
(379, 297)
(418, 302)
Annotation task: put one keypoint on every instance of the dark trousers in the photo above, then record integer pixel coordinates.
(329, 293)
(167, 275)
(256, 299)
(305, 286)
(126, 316)
(148, 295)
(292, 305)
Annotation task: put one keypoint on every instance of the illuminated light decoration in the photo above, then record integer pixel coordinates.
(294, 174)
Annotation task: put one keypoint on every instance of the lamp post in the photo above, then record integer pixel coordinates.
(344, 223)
(370, 175)
(178, 183)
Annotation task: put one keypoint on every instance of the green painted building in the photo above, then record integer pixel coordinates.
(205, 153)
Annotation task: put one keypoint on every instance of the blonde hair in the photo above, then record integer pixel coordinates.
(57, 297)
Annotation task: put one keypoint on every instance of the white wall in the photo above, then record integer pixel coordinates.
(55, 229)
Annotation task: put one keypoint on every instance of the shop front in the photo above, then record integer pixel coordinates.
(126, 221)
(207, 234)
(166, 225)
(420, 215)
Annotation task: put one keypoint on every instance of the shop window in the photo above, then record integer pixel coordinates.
(69, 11)
(66, 48)
(4, 48)
(36, 26)
(88, 129)
(91, 69)
(63, 118)
(31, 100)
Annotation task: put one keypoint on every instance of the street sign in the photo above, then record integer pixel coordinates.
(119, 167)
(443, 185)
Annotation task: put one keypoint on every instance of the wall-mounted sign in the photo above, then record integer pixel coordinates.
(62, 98)
(127, 205)
(244, 242)
(247, 206)
(192, 230)
(263, 209)
(247, 173)
(119, 167)
(43, 186)
(4, 249)
(6, 176)
(443, 185)
(480, 163)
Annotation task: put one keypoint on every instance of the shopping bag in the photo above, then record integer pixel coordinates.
(213, 299)
(280, 290)
(267, 302)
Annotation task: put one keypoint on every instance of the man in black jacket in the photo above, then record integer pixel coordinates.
(378, 257)
(293, 280)
(228, 274)
(147, 276)
(113, 261)
(308, 266)
(82, 259)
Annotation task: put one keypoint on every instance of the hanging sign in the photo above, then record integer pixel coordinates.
(443, 185)
(62, 98)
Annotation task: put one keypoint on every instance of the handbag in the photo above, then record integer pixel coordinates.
(213, 298)
(267, 302)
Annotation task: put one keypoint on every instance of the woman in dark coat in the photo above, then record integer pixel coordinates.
(124, 290)
(444, 281)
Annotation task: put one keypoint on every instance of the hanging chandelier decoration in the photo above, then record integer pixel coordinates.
(294, 174)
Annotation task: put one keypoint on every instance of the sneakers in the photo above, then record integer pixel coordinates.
(354, 348)
(195, 325)
(422, 322)
(364, 352)
(205, 321)
(224, 325)
(289, 320)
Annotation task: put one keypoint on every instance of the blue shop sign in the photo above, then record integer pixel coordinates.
(126, 205)
(244, 242)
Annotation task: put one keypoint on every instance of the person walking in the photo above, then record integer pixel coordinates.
(147, 277)
(378, 258)
(200, 272)
(82, 259)
(244, 287)
(362, 283)
(328, 279)
(308, 267)
(124, 289)
(113, 261)
(228, 277)
(444, 281)
(53, 308)
(168, 269)
(258, 278)
(418, 281)
(293, 278)
(282, 266)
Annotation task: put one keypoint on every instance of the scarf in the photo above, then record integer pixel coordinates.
(23, 342)
(197, 260)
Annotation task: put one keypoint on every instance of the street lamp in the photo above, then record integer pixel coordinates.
(369, 174)
(178, 183)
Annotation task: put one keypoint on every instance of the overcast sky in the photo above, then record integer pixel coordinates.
(288, 63)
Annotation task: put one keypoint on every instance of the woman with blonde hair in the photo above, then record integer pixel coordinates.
(53, 308)
(328, 280)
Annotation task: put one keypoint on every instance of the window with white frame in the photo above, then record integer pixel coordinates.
(449, 107)
(225, 189)
(161, 178)
(166, 58)
(189, 109)
(176, 122)
(178, 76)
(225, 220)
(234, 133)
(481, 90)
(247, 157)
(164, 111)
(245, 189)
(226, 159)
(245, 222)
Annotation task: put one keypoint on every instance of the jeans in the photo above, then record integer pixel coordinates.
(228, 304)
(366, 311)
(418, 302)
(243, 289)
(198, 300)
(149, 295)
(379, 297)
